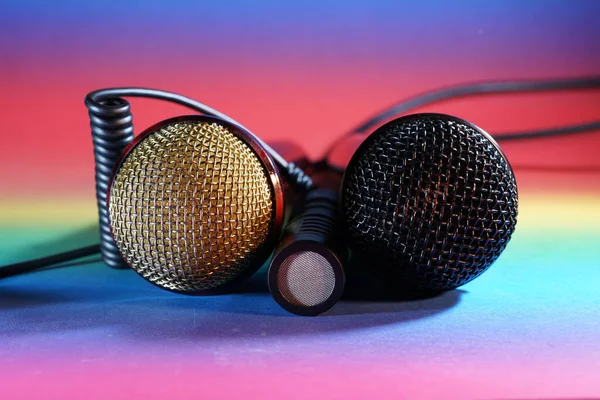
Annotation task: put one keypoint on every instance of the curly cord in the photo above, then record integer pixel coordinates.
(297, 175)
(112, 130)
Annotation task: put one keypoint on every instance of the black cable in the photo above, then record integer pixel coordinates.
(516, 136)
(483, 88)
(33, 265)
(544, 133)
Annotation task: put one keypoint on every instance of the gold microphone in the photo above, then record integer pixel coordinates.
(194, 204)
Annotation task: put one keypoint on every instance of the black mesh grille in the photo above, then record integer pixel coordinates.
(429, 202)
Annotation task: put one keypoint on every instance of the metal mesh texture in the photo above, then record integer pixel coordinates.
(191, 206)
(429, 202)
(306, 279)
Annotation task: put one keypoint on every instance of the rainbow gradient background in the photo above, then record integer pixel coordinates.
(304, 71)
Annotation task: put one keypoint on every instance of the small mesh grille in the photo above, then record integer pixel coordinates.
(306, 279)
(429, 202)
(191, 206)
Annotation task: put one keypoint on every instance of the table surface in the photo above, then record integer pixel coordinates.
(527, 328)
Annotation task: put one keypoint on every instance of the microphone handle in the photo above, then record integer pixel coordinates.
(318, 220)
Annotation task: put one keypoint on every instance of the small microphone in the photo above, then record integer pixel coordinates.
(306, 275)
(428, 202)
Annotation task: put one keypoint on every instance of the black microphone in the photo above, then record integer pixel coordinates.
(428, 203)
(306, 275)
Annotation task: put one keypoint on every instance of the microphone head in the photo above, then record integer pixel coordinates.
(306, 278)
(306, 275)
(195, 204)
(429, 202)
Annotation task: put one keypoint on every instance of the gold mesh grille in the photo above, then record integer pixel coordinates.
(191, 206)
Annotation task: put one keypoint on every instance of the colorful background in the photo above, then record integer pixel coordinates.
(305, 71)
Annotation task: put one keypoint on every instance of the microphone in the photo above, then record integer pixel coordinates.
(194, 204)
(428, 203)
(306, 275)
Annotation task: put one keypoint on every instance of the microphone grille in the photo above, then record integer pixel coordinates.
(192, 206)
(306, 279)
(430, 200)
